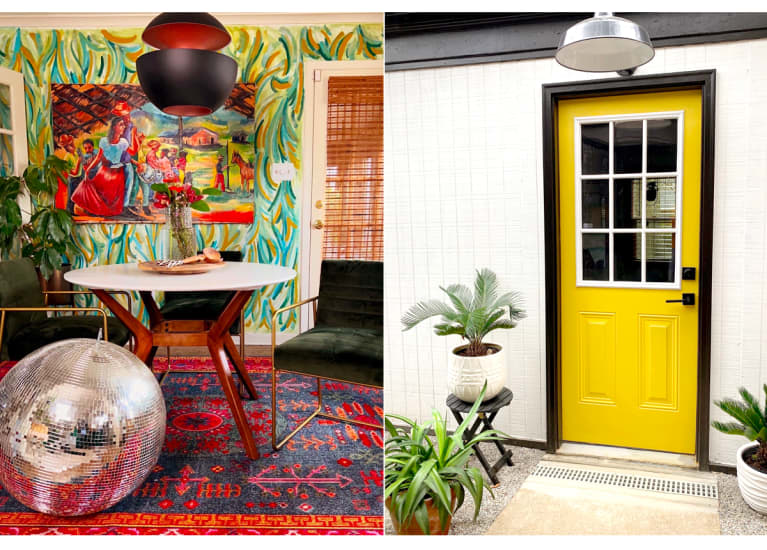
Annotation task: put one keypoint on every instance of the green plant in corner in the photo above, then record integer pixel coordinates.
(470, 315)
(751, 423)
(423, 473)
(47, 238)
(10, 213)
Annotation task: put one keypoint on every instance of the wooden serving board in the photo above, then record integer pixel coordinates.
(185, 269)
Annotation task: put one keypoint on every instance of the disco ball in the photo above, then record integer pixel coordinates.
(82, 423)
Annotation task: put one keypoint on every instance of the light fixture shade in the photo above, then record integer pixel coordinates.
(186, 30)
(604, 43)
(186, 82)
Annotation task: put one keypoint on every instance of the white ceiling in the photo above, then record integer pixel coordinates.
(130, 20)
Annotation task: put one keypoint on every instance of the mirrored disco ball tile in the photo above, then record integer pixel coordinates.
(82, 423)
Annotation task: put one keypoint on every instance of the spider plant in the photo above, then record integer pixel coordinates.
(422, 470)
(751, 423)
(470, 315)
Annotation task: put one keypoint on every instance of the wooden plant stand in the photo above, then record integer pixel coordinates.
(486, 414)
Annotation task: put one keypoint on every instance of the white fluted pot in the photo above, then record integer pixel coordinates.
(752, 483)
(467, 375)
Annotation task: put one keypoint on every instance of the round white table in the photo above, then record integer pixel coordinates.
(232, 276)
(241, 277)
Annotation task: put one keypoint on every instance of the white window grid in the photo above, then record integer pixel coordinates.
(643, 176)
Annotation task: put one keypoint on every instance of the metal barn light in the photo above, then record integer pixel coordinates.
(605, 43)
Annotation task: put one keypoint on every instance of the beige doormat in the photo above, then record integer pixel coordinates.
(565, 498)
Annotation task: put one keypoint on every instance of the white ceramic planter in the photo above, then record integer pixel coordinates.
(467, 375)
(752, 483)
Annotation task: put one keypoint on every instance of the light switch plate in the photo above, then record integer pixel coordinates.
(282, 171)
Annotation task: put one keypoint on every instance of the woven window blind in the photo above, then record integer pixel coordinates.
(354, 176)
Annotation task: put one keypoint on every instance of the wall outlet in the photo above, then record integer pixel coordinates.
(281, 171)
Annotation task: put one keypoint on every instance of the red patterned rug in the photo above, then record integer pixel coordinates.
(326, 480)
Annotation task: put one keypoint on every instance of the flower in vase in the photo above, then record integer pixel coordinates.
(174, 196)
(161, 200)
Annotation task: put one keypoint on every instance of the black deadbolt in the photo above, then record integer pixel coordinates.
(688, 273)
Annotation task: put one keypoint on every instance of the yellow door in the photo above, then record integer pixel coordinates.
(629, 179)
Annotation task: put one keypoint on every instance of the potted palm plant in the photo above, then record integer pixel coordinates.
(751, 457)
(426, 478)
(472, 316)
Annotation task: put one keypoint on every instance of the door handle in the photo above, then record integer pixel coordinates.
(318, 224)
(688, 299)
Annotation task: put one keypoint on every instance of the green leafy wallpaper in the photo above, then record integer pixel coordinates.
(272, 58)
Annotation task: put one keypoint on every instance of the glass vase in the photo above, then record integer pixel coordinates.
(182, 239)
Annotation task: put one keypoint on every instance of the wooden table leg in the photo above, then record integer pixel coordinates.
(217, 338)
(151, 306)
(144, 347)
(155, 318)
(239, 364)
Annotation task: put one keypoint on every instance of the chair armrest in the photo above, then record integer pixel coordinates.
(288, 308)
(82, 292)
(4, 310)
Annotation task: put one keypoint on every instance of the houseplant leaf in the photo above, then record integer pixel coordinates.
(435, 474)
(424, 310)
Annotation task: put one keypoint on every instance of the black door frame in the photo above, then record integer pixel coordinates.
(552, 94)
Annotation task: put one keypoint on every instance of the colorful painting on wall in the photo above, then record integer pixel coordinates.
(119, 144)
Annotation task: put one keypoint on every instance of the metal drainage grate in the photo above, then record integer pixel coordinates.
(630, 481)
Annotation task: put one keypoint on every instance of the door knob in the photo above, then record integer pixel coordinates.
(688, 299)
(318, 224)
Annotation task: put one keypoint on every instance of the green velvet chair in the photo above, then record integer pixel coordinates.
(24, 322)
(346, 342)
(195, 306)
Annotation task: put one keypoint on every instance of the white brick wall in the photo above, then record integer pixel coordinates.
(464, 190)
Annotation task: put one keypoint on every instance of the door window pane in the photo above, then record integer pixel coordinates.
(596, 256)
(595, 139)
(595, 203)
(627, 205)
(6, 155)
(660, 257)
(5, 107)
(628, 147)
(630, 229)
(661, 145)
(661, 202)
(628, 260)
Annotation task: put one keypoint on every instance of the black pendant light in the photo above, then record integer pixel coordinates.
(186, 76)
(200, 31)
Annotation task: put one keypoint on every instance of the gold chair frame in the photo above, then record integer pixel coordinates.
(72, 309)
(318, 412)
